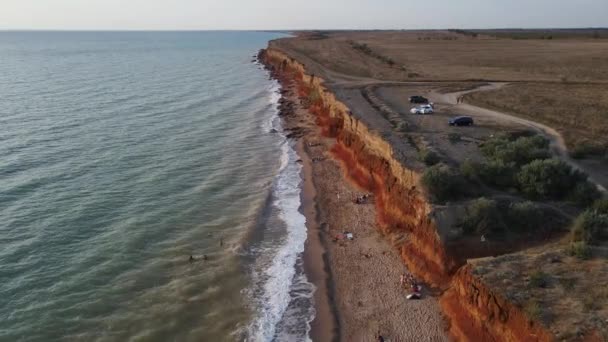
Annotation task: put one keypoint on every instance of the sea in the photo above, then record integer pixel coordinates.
(147, 191)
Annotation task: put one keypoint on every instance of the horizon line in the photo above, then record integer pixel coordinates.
(294, 30)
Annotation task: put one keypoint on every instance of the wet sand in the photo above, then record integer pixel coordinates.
(358, 291)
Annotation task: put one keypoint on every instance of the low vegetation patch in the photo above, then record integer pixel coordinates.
(482, 217)
(403, 127)
(590, 227)
(548, 178)
(579, 250)
(362, 47)
(601, 206)
(526, 216)
(442, 183)
(454, 137)
(523, 163)
(497, 173)
(516, 150)
(429, 157)
(489, 216)
(539, 279)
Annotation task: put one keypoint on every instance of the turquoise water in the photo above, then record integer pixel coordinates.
(122, 154)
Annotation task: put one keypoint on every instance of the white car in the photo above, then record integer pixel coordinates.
(424, 109)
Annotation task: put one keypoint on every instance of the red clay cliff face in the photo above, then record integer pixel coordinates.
(475, 313)
(482, 315)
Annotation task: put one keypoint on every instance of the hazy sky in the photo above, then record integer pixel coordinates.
(299, 14)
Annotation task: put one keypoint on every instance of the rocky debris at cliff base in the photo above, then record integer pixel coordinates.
(363, 199)
(296, 132)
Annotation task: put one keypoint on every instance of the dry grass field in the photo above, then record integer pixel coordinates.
(561, 82)
(554, 287)
(444, 55)
(579, 112)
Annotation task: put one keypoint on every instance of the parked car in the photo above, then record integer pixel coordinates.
(418, 99)
(424, 109)
(461, 121)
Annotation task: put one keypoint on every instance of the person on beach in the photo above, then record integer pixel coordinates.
(205, 257)
(191, 259)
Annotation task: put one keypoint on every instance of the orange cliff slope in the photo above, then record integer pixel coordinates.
(404, 214)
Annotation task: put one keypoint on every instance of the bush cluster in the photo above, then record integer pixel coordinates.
(539, 279)
(526, 216)
(487, 216)
(469, 170)
(524, 163)
(454, 137)
(580, 250)
(548, 178)
(403, 127)
(442, 183)
(482, 217)
(429, 157)
(590, 227)
(519, 151)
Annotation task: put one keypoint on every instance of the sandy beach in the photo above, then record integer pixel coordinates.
(358, 290)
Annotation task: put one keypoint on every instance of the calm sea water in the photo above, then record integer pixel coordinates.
(122, 154)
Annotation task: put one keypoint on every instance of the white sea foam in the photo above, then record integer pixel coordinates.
(274, 96)
(279, 300)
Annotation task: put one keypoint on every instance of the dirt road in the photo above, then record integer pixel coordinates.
(556, 140)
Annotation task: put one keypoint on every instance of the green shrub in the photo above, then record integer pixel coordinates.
(497, 173)
(549, 178)
(429, 157)
(469, 169)
(579, 250)
(403, 127)
(442, 183)
(519, 151)
(525, 216)
(601, 206)
(584, 194)
(590, 227)
(482, 217)
(539, 279)
(454, 137)
(490, 147)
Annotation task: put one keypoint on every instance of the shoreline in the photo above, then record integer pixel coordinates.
(325, 325)
(357, 281)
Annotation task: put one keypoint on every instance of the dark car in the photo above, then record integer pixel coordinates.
(461, 121)
(418, 99)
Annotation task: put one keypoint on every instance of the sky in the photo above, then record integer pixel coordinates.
(299, 14)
